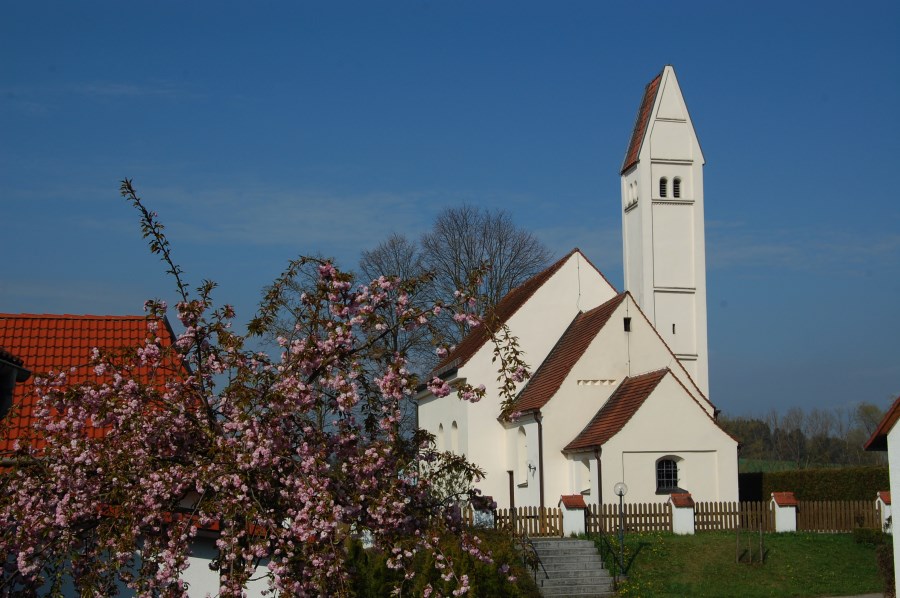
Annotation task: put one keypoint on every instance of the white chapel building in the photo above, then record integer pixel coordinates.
(619, 390)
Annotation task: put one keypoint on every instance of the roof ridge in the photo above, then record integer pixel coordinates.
(24, 316)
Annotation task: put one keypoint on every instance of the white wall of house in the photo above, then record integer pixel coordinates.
(893, 449)
(671, 425)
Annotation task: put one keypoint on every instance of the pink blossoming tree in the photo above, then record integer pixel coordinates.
(282, 460)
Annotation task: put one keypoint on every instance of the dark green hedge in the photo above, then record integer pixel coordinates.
(845, 483)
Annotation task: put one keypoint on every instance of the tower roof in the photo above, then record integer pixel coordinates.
(641, 122)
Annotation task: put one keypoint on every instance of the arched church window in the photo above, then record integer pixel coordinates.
(454, 437)
(666, 475)
(440, 437)
(663, 183)
(676, 187)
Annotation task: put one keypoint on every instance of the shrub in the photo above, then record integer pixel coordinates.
(885, 556)
(505, 577)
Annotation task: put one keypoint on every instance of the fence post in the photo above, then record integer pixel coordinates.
(883, 505)
(573, 510)
(785, 505)
(682, 513)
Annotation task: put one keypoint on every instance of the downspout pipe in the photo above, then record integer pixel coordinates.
(539, 419)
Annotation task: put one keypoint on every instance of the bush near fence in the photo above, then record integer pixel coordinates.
(840, 483)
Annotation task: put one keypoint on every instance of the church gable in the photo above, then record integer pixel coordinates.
(568, 351)
(510, 305)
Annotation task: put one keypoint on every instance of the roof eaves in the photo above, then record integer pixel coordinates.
(504, 310)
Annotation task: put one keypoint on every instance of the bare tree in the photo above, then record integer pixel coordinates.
(465, 238)
(399, 257)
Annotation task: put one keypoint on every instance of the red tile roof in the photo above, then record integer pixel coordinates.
(640, 123)
(572, 501)
(617, 410)
(501, 314)
(878, 440)
(785, 499)
(46, 342)
(563, 357)
(885, 496)
(682, 500)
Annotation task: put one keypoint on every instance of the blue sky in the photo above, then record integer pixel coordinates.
(262, 131)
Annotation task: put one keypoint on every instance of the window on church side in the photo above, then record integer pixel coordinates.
(440, 438)
(454, 437)
(663, 183)
(666, 475)
(676, 187)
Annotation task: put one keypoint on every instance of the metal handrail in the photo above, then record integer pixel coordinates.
(527, 540)
(615, 556)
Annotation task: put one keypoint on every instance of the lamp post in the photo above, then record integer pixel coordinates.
(621, 490)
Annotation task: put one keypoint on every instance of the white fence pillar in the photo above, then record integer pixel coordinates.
(573, 510)
(785, 505)
(883, 504)
(682, 513)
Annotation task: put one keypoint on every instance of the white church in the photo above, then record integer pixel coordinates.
(620, 380)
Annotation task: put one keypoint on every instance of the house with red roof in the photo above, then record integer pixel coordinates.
(886, 437)
(619, 389)
(48, 342)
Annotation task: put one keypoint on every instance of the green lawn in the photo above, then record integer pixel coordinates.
(803, 565)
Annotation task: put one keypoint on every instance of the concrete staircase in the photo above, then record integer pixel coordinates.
(574, 568)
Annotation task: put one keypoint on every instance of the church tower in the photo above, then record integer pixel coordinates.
(662, 223)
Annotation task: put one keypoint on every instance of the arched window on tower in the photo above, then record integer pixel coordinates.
(454, 437)
(676, 187)
(440, 438)
(663, 183)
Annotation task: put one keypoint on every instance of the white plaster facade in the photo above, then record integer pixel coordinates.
(612, 398)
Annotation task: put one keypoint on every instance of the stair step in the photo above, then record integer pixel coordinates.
(574, 573)
(573, 567)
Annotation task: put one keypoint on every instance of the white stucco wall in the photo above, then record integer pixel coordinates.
(893, 442)
(671, 424)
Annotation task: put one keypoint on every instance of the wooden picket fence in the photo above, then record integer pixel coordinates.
(818, 516)
(531, 521)
(837, 515)
(725, 515)
(639, 517)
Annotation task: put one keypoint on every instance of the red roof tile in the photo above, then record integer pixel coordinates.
(501, 314)
(617, 410)
(885, 496)
(572, 501)
(878, 440)
(785, 499)
(640, 123)
(682, 500)
(563, 357)
(46, 342)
